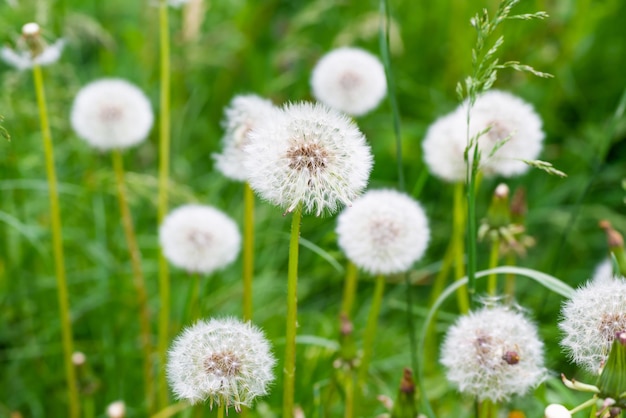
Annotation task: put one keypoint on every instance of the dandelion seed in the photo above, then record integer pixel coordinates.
(242, 115)
(493, 353)
(224, 361)
(591, 318)
(199, 238)
(350, 80)
(111, 114)
(383, 232)
(308, 154)
(32, 50)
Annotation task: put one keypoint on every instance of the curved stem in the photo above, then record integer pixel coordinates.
(164, 161)
(492, 285)
(349, 288)
(370, 329)
(57, 246)
(248, 251)
(289, 371)
(139, 281)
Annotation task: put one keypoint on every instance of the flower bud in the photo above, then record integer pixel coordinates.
(556, 411)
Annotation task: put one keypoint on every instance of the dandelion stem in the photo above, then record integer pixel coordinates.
(289, 371)
(57, 244)
(509, 286)
(164, 161)
(349, 288)
(458, 230)
(349, 396)
(370, 329)
(193, 301)
(492, 285)
(139, 281)
(220, 410)
(248, 250)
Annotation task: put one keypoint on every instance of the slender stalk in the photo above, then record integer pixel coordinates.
(220, 410)
(248, 250)
(458, 230)
(57, 246)
(164, 162)
(349, 288)
(494, 254)
(193, 300)
(139, 281)
(348, 411)
(370, 329)
(289, 372)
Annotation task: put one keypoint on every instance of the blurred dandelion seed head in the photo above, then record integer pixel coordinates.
(31, 29)
(241, 116)
(222, 361)
(308, 154)
(116, 409)
(556, 411)
(199, 238)
(383, 232)
(590, 320)
(111, 114)
(350, 80)
(493, 353)
(444, 146)
(32, 49)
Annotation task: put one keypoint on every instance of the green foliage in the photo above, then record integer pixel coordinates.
(269, 48)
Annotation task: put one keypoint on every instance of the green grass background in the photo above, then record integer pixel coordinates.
(269, 47)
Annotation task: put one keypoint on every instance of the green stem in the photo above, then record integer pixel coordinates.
(492, 285)
(139, 281)
(193, 300)
(349, 288)
(220, 410)
(370, 329)
(289, 372)
(458, 231)
(57, 244)
(164, 161)
(349, 396)
(248, 250)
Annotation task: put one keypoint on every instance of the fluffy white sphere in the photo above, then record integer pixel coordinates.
(350, 80)
(590, 320)
(506, 116)
(116, 409)
(199, 238)
(224, 361)
(308, 154)
(242, 115)
(111, 114)
(383, 232)
(444, 147)
(493, 353)
(556, 411)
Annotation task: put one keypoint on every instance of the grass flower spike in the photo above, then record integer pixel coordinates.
(383, 232)
(199, 239)
(242, 115)
(513, 125)
(308, 154)
(25, 56)
(590, 320)
(112, 114)
(350, 80)
(493, 353)
(224, 361)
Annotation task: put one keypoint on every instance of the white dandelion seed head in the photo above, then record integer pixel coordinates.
(242, 115)
(116, 409)
(493, 353)
(220, 360)
(350, 80)
(590, 319)
(556, 411)
(22, 58)
(444, 147)
(111, 113)
(31, 29)
(383, 232)
(199, 238)
(508, 118)
(308, 154)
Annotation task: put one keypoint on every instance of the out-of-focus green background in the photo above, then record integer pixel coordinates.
(269, 47)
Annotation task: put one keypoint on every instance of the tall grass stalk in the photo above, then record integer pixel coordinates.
(164, 163)
(289, 371)
(57, 246)
(139, 281)
(248, 250)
